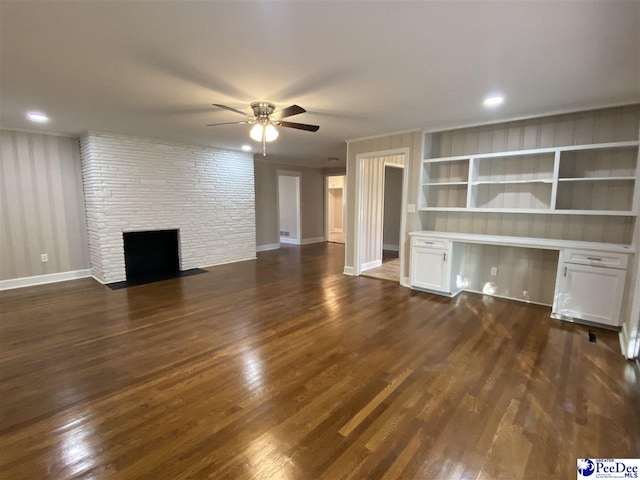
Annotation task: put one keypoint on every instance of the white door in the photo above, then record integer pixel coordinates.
(591, 293)
(429, 269)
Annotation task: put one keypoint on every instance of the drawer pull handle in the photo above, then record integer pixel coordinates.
(595, 259)
(565, 271)
(444, 257)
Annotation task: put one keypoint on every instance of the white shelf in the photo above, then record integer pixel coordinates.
(590, 172)
(596, 179)
(515, 153)
(436, 184)
(530, 210)
(507, 182)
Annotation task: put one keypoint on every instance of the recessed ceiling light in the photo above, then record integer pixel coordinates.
(246, 148)
(493, 101)
(37, 117)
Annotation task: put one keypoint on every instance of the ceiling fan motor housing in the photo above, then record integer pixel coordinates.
(262, 109)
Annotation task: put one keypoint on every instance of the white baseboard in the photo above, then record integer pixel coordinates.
(230, 261)
(405, 282)
(336, 230)
(506, 298)
(43, 279)
(393, 248)
(349, 271)
(309, 241)
(291, 241)
(269, 246)
(369, 265)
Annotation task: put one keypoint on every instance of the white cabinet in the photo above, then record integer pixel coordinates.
(434, 264)
(590, 286)
(429, 269)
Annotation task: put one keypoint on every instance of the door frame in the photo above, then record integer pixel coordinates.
(326, 204)
(298, 177)
(360, 159)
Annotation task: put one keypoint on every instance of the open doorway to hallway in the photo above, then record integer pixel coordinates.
(391, 215)
(335, 207)
(370, 218)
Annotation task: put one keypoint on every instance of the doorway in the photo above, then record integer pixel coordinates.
(335, 207)
(391, 215)
(289, 221)
(371, 170)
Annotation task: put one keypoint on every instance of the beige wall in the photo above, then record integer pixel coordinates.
(392, 206)
(311, 201)
(42, 205)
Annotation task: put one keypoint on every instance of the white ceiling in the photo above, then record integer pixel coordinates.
(359, 68)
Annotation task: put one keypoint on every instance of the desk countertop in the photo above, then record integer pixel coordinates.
(526, 242)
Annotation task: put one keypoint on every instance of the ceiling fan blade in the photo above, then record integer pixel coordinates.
(231, 109)
(226, 123)
(289, 111)
(300, 126)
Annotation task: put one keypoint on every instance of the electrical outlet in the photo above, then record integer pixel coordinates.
(44, 258)
(494, 271)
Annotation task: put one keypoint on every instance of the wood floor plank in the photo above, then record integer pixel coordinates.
(286, 368)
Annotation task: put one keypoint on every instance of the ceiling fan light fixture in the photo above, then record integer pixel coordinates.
(270, 132)
(256, 132)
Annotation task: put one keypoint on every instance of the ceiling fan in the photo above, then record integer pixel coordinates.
(265, 119)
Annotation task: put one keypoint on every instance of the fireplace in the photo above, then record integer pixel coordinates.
(151, 255)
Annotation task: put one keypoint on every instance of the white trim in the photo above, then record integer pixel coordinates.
(623, 336)
(39, 132)
(369, 265)
(269, 246)
(447, 127)
(44, 279)
(346, 216)
(506, 297)
(289, 241)
(309, 241)
(401, 132)
(228, 262)
(393, 248)
(349, 271)
(405, 282)
(98, 280)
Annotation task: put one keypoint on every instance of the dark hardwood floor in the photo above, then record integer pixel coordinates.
(284, 368)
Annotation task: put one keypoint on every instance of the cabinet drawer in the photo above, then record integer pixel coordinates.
(595, 258)
(427, 242)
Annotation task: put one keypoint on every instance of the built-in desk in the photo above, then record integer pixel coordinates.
(590, 278)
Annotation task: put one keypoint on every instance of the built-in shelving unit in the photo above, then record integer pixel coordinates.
(578, 180)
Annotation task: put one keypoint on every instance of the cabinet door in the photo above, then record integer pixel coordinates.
(429, 269)
(591, 293)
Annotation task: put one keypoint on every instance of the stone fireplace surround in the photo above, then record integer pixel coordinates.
(136, 184)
